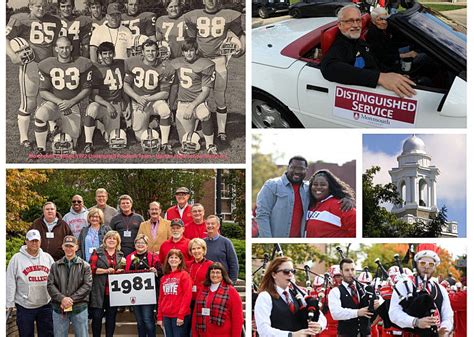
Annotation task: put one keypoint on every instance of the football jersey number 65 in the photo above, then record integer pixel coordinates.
(214, 27)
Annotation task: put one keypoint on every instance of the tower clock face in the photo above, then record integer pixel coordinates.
(455, 228)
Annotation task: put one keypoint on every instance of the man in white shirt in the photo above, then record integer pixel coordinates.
(426, 260)
(348, 306)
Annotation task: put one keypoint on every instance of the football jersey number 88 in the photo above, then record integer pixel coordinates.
(145, 79)
(213, 27)
(42, 32)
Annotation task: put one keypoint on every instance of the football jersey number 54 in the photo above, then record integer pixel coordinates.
(210, 27)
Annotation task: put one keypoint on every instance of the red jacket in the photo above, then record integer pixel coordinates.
(193, 230)
(152, 259)
(233, 318)
(182, 245)
(198, 271)
(173, 213)
(459, 304)
(175, 295)
(326, 220)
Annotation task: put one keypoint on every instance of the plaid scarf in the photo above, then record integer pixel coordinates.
(218, 306)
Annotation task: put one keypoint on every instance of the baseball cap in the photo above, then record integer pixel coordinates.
(114, 8)
(70, 240)
(182, 190)
(177, 222)
(33, 234)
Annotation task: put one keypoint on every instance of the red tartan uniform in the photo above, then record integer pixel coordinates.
(175, 295)
(65, 80)
(108, 79)
(198, 271)
(193, 77)
(210, 29)
(173, 213)
(173, 32)
(40, 33)
(459, 305)
(140, 24)
(78, 29)
(147, 79)
(182, 245)
(193, 230)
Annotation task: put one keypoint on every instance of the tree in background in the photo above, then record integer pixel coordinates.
(433, 228)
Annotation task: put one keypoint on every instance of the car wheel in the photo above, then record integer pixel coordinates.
(269, 113)
(296, 13)
(263, 13)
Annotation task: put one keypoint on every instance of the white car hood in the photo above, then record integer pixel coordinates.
(268, 41)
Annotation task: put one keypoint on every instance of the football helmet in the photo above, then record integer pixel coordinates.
(22, 48)
(62, 144)
(164, 51)
(118, 139)
(230, 46)
(150, 140)
(137, 48)
(190, 143)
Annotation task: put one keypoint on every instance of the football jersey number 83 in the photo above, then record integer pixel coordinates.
(69, 78)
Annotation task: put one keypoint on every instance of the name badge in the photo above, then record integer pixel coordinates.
(49, 235)
(91, 250)
(127, 234)
(194, 289)
(206, 312)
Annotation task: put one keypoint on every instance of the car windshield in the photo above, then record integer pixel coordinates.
(446, 35)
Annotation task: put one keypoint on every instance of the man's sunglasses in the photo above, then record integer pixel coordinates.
(424, 263)
(77, 202)
(286, 271)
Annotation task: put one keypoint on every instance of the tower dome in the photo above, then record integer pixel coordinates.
(413, 145)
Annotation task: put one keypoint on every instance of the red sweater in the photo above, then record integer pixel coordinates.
(182, 245)
(175, 295)
(233, 318)
(198, 271)
(173, 213)
(326, 220)
(193, 230)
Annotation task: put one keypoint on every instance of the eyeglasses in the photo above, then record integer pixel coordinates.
(77, 201)
(140, 243)
(424, 263)
(352, 21)
(286, 271)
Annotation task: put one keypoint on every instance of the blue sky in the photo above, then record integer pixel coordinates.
(448, 153)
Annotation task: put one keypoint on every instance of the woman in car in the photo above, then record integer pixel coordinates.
(324, 217)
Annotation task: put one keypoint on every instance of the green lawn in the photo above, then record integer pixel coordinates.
(443, 7)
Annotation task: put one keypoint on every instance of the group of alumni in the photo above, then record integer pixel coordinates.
(359, 305)
(289, 206)
(60, 275)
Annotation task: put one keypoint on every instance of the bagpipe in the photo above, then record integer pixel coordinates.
(308, 302)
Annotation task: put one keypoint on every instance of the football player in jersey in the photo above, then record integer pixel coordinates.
(147, 83)
(170, 29)
(107, 95)
(210, 26)
(95, 10)
(64, 81)
(196, 79)
(30, 39)
(76, 28)
(139, 23)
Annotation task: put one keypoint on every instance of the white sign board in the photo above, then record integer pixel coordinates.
(132, 289)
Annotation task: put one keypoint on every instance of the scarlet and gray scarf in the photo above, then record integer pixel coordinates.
(218, 306)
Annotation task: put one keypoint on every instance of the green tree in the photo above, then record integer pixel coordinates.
(434, 227)
(21, 196)
(236, 179)
(377, 221)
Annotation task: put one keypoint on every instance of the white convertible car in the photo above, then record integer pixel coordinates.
(288, 89)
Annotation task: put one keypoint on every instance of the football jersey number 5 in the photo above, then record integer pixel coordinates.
(184, 79)
(211, 27)
(68, 78)
(42, 32)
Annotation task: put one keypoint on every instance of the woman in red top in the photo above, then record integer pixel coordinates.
(218, 311)
(325, 217)
(198, 267)
(174, 313)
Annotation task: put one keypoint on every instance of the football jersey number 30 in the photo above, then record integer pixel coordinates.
(208, 27)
